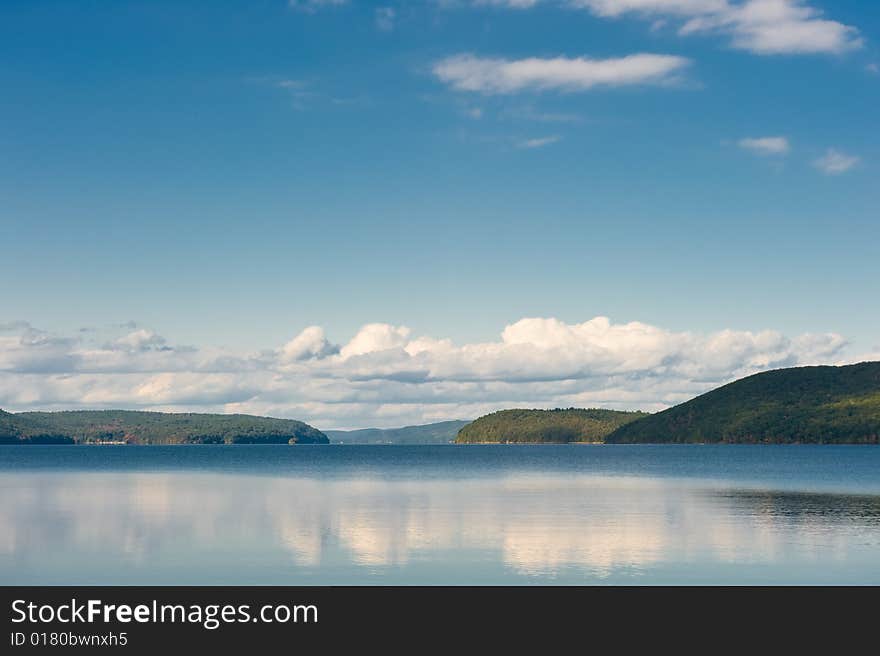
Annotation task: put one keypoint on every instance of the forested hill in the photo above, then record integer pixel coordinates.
(442, 432)
(545, 426)
(136, 427)
(835, 405)
(17, 430)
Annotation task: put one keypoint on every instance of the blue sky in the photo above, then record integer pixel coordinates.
(225, 175)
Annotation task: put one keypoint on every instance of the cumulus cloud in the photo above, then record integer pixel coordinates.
(765, 145)
(835, 162)
(140, 340)
(467, 72)
(310, 343)
(384, 375)
(375, 337)
(25, 349)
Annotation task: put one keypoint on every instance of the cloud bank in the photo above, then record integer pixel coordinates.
(386, 376)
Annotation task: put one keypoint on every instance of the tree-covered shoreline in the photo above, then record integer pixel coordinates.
(142, 427)
(529, 426)
(801, 405)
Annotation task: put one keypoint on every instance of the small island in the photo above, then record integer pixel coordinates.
(139, 427)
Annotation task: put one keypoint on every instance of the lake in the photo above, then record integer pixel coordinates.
(499, 514)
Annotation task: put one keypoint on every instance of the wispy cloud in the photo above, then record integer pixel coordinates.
(764, 27)
(468, 72)
(835, 162)
(509, 4)
(305, 95)
(299, 92)
(311, 6)
(766, 145)
(291, 85)
(537, 142)
(769, 27)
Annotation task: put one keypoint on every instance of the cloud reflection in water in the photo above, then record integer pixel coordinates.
(207, 528)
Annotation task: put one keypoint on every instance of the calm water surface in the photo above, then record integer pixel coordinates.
(444, 514)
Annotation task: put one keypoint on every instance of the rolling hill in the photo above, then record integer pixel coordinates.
(821, 405)
(442, 432)
(137, 427)
(15, 429)
(545, 426)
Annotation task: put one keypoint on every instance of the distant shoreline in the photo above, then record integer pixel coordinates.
(454, 444)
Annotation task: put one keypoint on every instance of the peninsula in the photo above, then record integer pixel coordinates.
(138, 427)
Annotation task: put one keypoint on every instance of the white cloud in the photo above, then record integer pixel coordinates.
(769, 27)
(26, 349)
(375, 337)
(467, 72)
(763, 27)
(510, 4)
(835, 162)
(310, 343)
(386, 376)
(615, 8)
(140, 340)
(538, 142)
(766, 145)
